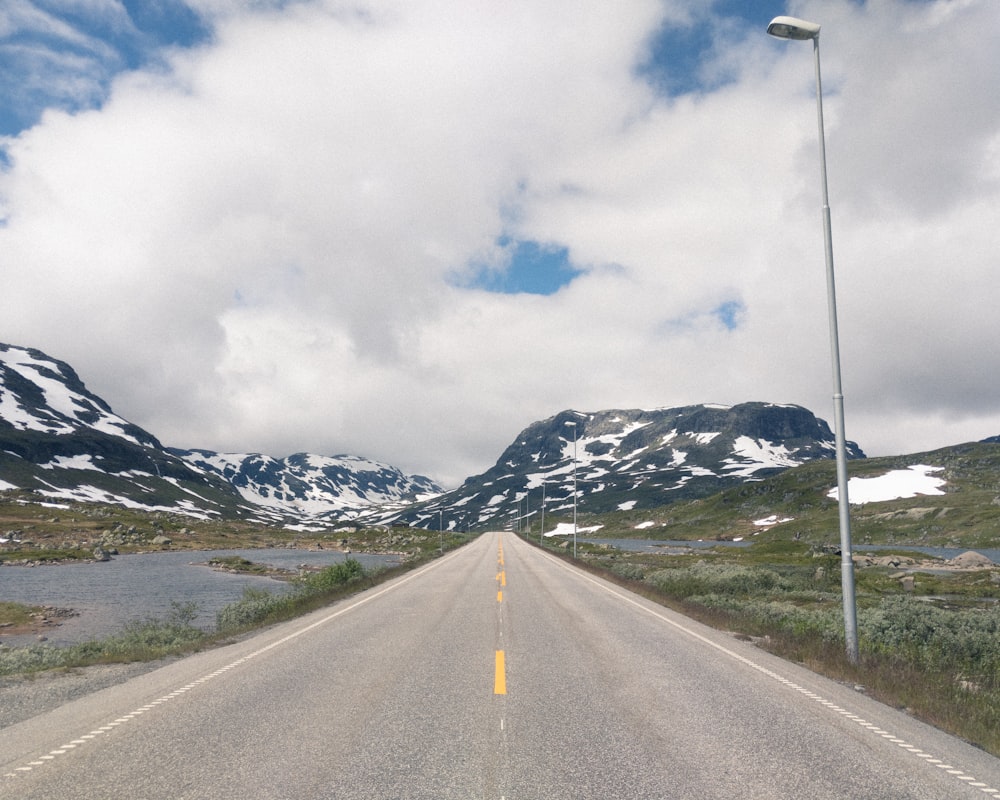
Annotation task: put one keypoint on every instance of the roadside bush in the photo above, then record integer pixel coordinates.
(714, 579)
(631, 572)
(254, 607)
(149, 638)
(929, 637)
(333, 576)
(152, 637)
(14, 660)
(776, 616)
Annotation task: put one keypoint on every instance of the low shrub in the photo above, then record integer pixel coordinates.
(333, 577)
(139, 640)
(703, 579)
(965, 641)
(256, 606)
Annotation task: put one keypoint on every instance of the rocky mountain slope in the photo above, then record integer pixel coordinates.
(61, 442)
(626, 459)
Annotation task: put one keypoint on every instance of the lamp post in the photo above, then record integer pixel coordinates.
(541, 527)
(573, 426)
(800, 30)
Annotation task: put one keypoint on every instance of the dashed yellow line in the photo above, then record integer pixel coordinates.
(500, 672)
(500, 675)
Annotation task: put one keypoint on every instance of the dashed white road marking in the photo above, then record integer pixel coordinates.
(87, 737)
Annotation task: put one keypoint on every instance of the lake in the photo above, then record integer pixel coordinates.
(110, 594)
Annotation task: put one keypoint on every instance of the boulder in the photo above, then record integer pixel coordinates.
(971, 560)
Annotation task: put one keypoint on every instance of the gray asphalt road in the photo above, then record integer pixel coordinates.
(499, 673)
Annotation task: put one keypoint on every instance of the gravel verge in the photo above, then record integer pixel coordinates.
(26, 696)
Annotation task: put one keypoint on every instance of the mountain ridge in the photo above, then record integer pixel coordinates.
(62, 442)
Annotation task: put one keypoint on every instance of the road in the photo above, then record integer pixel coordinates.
(496, 672)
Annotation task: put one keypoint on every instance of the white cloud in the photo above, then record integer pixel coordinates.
(251, 249)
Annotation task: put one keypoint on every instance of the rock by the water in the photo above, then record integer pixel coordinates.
(971, 560)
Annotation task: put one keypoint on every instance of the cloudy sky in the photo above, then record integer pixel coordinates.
(406, 229)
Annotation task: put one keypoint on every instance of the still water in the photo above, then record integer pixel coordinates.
(109, 594)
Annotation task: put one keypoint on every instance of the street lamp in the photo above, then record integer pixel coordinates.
(541, 527)
(573, 426)
(800, 30)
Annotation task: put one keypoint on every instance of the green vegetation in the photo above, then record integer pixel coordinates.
(311, 591)
(139, 641)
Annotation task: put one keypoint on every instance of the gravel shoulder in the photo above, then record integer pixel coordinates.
(25, 696)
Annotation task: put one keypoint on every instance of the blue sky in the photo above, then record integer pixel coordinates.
(406, 229)
(62, 55)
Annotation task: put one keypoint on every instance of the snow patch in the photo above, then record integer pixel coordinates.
(761, 455)
(83, 461)
(896, 484)
(774, 519)
(566, 529)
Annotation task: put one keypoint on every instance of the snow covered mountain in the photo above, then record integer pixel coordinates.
(62, 442)
(312, 486)
(624, 459)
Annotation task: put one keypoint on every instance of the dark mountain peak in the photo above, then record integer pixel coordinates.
(45, 395)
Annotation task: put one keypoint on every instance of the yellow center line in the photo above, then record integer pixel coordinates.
(500, 677)
(499, 596)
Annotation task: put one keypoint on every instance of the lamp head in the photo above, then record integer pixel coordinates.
(792, 28)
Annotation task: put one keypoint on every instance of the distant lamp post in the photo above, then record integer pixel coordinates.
(541, 528)
(800, 30)
(573, 426)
